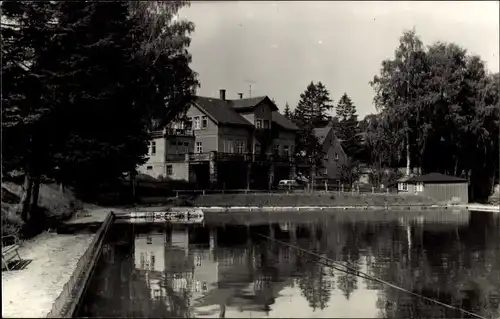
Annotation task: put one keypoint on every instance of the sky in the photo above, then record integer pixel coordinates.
(280, 47)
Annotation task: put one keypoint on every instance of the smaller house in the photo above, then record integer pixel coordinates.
(443, 188)
(403, 184)
(334, 156)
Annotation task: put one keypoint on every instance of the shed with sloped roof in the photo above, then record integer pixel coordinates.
(443, 188)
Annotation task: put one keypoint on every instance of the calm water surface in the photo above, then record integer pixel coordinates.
(225, 269)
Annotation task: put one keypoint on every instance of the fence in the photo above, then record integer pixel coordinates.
(325, 188)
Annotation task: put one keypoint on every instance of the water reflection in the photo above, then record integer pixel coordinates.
(227, 269)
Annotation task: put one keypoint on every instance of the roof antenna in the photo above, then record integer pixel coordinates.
(250, 82)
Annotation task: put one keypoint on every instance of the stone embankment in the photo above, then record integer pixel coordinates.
(57, 266)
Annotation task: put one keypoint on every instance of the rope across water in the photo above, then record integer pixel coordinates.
(341, 267)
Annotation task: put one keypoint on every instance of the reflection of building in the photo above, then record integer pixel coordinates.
(149, 256)
(191, 270)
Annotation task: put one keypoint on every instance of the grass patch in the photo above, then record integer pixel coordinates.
(281, 200)
(54, 204)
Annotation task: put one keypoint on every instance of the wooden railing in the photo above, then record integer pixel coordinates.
(240, 157)
(179, 132)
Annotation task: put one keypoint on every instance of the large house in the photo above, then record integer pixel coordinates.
(240, 143)
(334, 156)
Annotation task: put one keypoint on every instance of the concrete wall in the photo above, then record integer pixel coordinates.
(178, 170)
(207, 136)
(155, 164)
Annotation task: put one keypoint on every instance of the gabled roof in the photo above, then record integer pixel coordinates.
(322, 132)
(282, 121)
(221, 111)
(249, 104)
(436, 178)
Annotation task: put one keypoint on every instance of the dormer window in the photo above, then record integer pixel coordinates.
(258, 123)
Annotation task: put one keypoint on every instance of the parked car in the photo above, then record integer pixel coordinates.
(289, 184)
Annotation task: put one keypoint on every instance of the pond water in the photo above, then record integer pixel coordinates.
(225, 268)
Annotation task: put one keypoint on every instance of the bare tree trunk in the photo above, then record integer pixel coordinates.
(408, 154)
(35, 194)
(26, 196)
(133, 184)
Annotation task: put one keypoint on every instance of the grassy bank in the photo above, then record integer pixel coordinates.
(55, 206)
(317, 199)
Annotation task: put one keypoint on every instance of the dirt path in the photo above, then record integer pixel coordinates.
(31, 292)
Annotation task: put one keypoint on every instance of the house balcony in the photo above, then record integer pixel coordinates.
(237, 157)
(175, 157)
(179, 132)
(199, 157)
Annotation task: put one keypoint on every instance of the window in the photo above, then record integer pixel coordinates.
(325, 157)
(149, 168)
(277, 149)
(170, 170)
(153, 259)
(204, 122)
(196, 122)
(325, 171)
(258, 149)
(336, 156)
(149, 240)
(143, 261)
(153, 148)
(258, 123)
(420, 187)
(266, 124)
(403, 186)
(189, 124)
(229, 147)
(240, 147)
(199, 147)
(286, 150)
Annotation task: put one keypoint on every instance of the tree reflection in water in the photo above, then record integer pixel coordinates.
(455, 262)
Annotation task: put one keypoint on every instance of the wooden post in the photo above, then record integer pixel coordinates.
(373, 190)
(326, 186)
(342, 188)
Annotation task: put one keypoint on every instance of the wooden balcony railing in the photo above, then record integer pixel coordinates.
(179, 132)
(197, 157)
(175, 157)
(243, 157)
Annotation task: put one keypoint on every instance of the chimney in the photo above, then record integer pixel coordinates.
(222, 94)
(240, 95)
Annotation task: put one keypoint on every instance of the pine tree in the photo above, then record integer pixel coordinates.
(347, 129)
(313, 104)
(27, 95)
(288, 112)
(310, 111)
